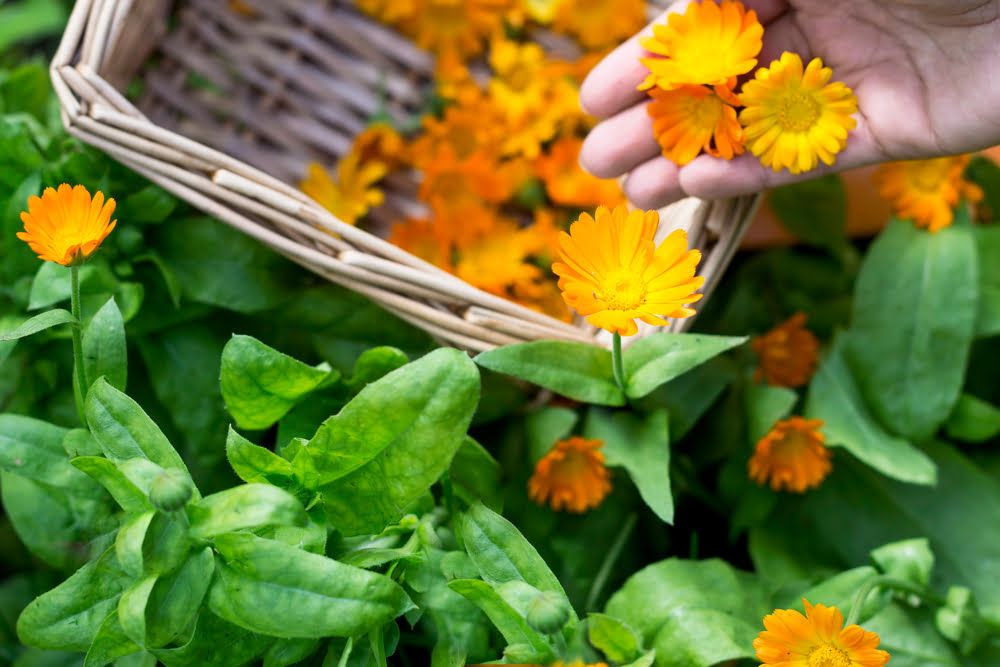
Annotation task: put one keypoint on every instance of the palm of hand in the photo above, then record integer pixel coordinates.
(926, 74)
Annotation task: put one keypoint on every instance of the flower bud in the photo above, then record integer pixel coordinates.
(170, 490)
(548, 612)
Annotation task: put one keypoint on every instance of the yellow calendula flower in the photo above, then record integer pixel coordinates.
(709, 44)
(380, 142)
(456, 28)
(597, 24)
(694, 119)
(792, 457)
(794, 117)
(353, 194)
(452, 184)
(424, 239)
(817, 639)
(787, 354)
(496, 259)
(927, 191)
(66, 226)
(519, 84)
(571, 477)
(540, 11)
(470, 126)
(612, 272)
(389, 11)
(568, 184)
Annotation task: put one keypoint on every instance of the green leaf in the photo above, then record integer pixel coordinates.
(391, 442)
(914, 317)
(26, 21)
(274, 589)
(661, 357)
(152, 543)
(244, 507)
(40, 322)
(988, 243)
(767, 405)
(32, 448)
(260, 385)
(973, 420)
(834, 398)
(255, 464)
(286, 652)
(69, 616)
(104, 348)
(814, 211)
(575, 370)
(104, 472)
(211, 633)
(171, 603)
(511, 624)
(911, 639)
(838, 591)
(689, 397)
(547, 426)
(614, 638)
(110, 643)
(909, 560)
(475, 474)
(502, 553)
(132, 609)
(124, 431)
(374, 364)
(52, 283)
(642, 447)
(151, 204)
(696, 613)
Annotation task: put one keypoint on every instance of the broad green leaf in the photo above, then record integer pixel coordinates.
(614, 638)
(689, 397)
(121, 488)
(211, 633)
(124, 431)
(973, 420)
(914, 317)
(27, 21)
(911, 639)
(32, 448)
(150, 204)
(132, 609)
(128, 542)
(40, 322)
(834, 398)
(837, 591)
(547, 426)
(274, 589)
(69, 616)
(475, 474)
(52, 284)
(110, 643)
(254, 464)
(661, 357)
(260, 385)
(909, 560)
(286, 652)
(502, 553)
(642, 447)
(988, 318)
(244, 507)
(104, 348)
(814, 211)
(695, 613)
(575, 370)
(767, 405)
(386, 448)
(376, 363)
(508, 621)
(152, 543)
(172, 602)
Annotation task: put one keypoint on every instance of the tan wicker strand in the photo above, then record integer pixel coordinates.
(233, 109)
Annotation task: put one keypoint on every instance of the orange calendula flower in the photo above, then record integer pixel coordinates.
(597, 24)
(787, 354)
(469, 127)
(612, 272)
(571, 477)
(794, 117)
(709, 44)
(389, 11)
(568, 184)
(792, 457)
(519, 84)
(496, 260)
(692, 119)
(455, 184)
(456, 28)
(380, 142)
(818, 639)
(927, 191)
(66, 226)
(421, 237)
(353, 194)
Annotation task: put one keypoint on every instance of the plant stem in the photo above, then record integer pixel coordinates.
(79, 370)
(601, 580)
(616, 361)
(883, 581)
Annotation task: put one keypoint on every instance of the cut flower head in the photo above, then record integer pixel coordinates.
(66, 226)
(353, 194)
(612, 272)
(692, 119)
(792, 456)
(927, 191)
(709, 44)
(787, 354)
(817, 639)
(571, 476)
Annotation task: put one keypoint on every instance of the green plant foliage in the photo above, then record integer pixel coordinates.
(657, 359)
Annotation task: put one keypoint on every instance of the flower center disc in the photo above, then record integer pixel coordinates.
(622, 289)
(829, 656)
(798, 111)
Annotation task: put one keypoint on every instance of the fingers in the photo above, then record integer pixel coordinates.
(654, 184)
(620, 144)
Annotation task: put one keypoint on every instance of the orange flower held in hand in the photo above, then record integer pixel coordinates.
(788, 353)
(692, 119)
(571, 476)
(792, 456)
(818, 639)
(612, 272)
(66, 226)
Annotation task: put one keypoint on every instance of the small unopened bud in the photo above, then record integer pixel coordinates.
(170, 490)
(548, 612)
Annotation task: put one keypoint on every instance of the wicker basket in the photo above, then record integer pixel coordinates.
(233, 107)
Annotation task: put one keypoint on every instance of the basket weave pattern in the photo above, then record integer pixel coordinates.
(232, 109)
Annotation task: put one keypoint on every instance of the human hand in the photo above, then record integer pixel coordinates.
(926, 74)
